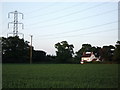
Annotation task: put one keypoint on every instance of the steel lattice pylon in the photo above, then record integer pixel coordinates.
(15, 23)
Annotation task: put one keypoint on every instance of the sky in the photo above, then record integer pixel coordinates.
(78, 23)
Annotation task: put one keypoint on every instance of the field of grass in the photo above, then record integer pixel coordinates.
(60, 76)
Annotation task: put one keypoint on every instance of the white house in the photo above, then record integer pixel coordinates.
(88, 57)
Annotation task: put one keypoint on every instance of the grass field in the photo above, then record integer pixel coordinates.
(60, 76)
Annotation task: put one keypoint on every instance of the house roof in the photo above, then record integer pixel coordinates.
(87, 54)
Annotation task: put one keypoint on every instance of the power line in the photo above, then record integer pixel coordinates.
(37, 10)
(53, 12)
(95, 26)
(102, 31)
(95, 15)
(69, 14)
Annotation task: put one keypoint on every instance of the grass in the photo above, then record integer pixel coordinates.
(60, 76)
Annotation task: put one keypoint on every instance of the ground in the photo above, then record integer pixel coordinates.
(60, 76)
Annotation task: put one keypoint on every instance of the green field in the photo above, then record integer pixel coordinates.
(60, 76)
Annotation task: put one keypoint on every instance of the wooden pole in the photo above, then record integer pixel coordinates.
(31, 51)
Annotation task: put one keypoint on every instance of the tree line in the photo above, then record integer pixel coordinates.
(16, 50)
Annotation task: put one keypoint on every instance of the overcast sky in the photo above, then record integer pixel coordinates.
(95, 23)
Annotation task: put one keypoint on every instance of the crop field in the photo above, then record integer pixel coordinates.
(60, 76)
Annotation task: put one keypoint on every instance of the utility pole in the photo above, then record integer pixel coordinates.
(31, 50)
(15, 23)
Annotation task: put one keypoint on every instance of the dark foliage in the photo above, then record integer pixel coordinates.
(107, 53)
(116, 56)
(87, 48)
(64, 52)
(39, 56)
(14, 50)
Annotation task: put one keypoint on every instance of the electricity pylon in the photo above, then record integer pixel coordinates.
(15, 23)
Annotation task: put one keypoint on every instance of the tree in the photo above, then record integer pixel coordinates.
(85, 48)
(39, 56)
(51, 58)
(64, 51)
(106, 53)
(117, 52)
(14, 50)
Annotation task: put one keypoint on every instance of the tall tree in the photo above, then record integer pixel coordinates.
(64, 51)
(106, 53)
(14, 50)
